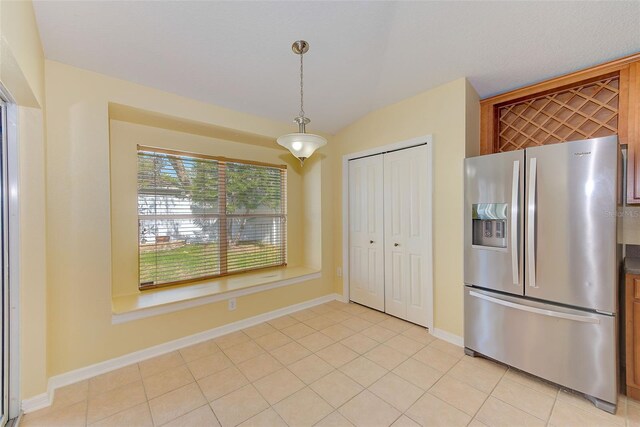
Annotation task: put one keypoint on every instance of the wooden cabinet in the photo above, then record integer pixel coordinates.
(633, 134)
(599, 101)
(632, 332)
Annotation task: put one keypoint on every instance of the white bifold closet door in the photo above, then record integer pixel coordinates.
(388, 213)
(366, 233)
(405, 223)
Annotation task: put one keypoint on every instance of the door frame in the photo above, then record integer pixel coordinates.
(13, 243)
(413, 142)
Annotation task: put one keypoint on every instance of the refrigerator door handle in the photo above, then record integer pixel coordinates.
(531, 224)
(515, 187)
(541, 311)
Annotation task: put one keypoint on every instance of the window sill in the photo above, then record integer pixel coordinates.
(166, 300)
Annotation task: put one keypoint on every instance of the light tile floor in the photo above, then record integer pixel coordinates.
(331, 365)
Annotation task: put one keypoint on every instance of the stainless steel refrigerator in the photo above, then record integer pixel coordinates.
(541, 263)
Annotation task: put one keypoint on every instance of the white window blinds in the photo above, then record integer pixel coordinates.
(202, 216)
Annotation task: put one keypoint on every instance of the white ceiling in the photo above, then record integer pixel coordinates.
(364, 55)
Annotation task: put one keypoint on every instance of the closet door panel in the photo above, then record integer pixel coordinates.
(417, 234)
(405, 233)
(395, 294)
(366, 234)
(395, 214)
(415, 282)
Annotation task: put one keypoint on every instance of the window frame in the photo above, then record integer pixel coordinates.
(222, 214)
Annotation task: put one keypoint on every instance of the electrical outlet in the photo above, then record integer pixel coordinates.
(232, 304)
(339, 271)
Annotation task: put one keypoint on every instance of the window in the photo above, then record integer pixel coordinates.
(202, 216)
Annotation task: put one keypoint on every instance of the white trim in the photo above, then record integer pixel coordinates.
(6, 271)
(345, 228)
(429, 242)
(117, 318)
(341, 298)
(37, 402)
(43, 400)
(13, 186)
(448, 337)
(428, 140)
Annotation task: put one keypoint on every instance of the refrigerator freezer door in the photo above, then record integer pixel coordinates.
(569, 347)
(494, 196)
(570, 230)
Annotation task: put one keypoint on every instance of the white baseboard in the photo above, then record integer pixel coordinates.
(45, 399)
(37, 402)
(342, 298)
(448, 337)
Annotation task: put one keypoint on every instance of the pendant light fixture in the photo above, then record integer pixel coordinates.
(301, 144)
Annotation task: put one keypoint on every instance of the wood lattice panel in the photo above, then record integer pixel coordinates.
(586, 111)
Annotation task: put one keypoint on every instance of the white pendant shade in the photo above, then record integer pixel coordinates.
(302, 145)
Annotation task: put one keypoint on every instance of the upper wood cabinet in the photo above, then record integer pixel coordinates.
(633, 133)
(599, 101)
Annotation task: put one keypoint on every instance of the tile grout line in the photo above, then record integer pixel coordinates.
(436, 382)
(185, 364)
(309, 387)
(596, 413)
(328, 415)
(490, 394)
(144, 389)
(146, 396)
(208, 404)
(432, 385)
(367, 388)
(86, 410)
(235, 365)
(553, 407)
(123, 410)
(334, 369)
(271, 406)
(509, 368)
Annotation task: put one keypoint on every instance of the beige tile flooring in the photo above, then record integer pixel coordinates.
(331, 365)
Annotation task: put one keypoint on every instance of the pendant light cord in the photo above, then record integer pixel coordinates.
(301, 87)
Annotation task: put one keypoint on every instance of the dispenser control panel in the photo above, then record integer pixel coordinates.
(489, 225)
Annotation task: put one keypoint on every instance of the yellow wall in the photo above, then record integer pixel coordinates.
(472, 124)
(32, 255)
(21, 57)
(451, 114)
(79, 226)
(22, 76)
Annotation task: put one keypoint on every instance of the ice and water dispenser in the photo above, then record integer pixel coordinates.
(490, 225)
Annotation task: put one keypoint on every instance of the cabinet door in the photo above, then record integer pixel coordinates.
(632, 334)
(366, 256)
(406, 233)
(632, 115)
